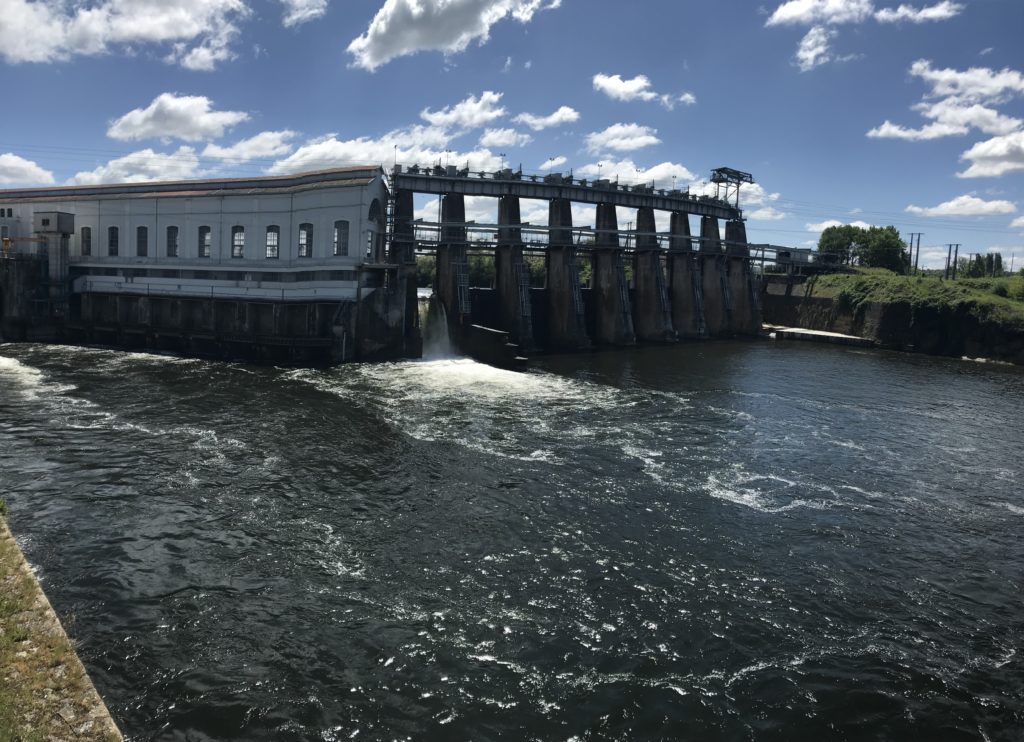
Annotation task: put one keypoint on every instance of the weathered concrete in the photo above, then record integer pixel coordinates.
(512, 278)
(715, 287)
(24, 300)
(451, 282)
(566, 320)
(652, 311)
(403, 254)
(744, 288)
(613, 312)
(685, 284)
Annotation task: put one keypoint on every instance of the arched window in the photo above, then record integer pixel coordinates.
(112, 241)
(172, 242)
(86, 240)
(273, 241)
(142, 241)
(305, 240)
(205, 242)
(341, 237)
(238, 242)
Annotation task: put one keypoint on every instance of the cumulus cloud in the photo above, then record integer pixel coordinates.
(264, 145)
(965, 205)
(15, 169)
(504, 138)
(141, 166)
(940, 12)
(637, 88)
(621, 138)
(198, 31)
(822, 15)
(552, 162)
(766, 213)
(471, 113)
(627, 171)
(822, 226)
(297, 12)
(187, 117)
(1017, 223)
(403, 27)
(564, 115)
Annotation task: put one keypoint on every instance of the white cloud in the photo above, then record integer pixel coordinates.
(552, 162)
(939, 12)
(994, 157)
(627, 171)
(297, 12)
(973, 84)
(766, 213)
(15, 169)
(637, 88)
(950, 117)
(170, 116)
(814, 48)
(564, 115)
(144, 165)
(471, 113)
(621, 138)
(54, 30)
(1017, 223)
(504, 138)
(965, 205)
(822, 226)
(813, 12)
(263, 145)
(404, 27)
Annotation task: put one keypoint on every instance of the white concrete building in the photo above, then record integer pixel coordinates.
(303, 237)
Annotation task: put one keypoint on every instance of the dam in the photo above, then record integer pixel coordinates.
(320, 268)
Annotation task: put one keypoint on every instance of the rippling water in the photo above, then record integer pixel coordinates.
(730, 540)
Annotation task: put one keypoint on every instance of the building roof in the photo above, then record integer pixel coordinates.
(358, 175)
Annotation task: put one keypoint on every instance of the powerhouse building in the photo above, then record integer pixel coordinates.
(279, 262)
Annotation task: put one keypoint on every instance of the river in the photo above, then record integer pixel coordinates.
(747, 540)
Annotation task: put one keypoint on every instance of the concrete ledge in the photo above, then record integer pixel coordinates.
(45, 692)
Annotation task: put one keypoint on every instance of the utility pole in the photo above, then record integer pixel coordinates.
(949, 256)
(910, 244)
(956, 252)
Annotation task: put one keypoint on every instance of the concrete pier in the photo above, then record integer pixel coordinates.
(685, 283)
(745, 317)
(613, 311)
(512, 279)
(652, 311)
(451, 281)
(403, 254)
(715, 287)
(567, 328)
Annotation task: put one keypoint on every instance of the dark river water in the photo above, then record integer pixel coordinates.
(737, 541)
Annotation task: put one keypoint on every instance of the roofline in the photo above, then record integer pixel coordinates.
(215, 184)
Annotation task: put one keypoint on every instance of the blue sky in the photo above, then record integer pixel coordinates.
(845, 111)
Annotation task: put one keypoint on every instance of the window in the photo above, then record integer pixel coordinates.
(86, 241)
(205, 242)
(46, 222)
(238, 242)
(4, 231)
(142, 242)
(305, 240)
(273, 241)
(112, 241)
(341, 238)
(172, 242)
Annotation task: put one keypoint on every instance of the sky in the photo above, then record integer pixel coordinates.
(870, 112)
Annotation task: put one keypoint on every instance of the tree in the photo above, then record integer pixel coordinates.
(997, 264)
(839, 241)
(882, 247)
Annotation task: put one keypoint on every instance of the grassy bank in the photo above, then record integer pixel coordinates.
(999, 300)
(44, 691)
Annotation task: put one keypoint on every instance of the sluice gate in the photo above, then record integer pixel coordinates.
(644, 285)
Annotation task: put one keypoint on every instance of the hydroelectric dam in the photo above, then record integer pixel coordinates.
(320, 268)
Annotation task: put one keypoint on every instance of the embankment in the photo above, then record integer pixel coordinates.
(905, 313)
(45, 692)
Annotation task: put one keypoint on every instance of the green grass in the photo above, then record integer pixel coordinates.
(999, 300)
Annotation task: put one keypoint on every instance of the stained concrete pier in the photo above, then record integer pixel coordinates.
(685, 282)
(715, 287)
(652, 310)
(745, 318)
(451, 283)
(512, 279)
(613, 315)
(567, 327)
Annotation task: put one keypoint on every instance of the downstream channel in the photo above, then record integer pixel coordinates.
(728, 540)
